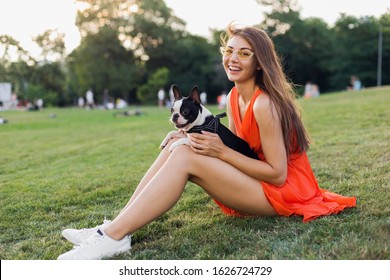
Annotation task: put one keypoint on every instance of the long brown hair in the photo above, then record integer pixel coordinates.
(272, 80)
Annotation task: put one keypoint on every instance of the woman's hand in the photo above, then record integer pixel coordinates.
(206, 143)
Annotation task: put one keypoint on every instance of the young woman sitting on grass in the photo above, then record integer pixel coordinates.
(261, 110)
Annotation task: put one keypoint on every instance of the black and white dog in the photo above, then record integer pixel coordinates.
(190, 116)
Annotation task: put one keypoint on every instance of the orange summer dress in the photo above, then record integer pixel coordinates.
(300, 195)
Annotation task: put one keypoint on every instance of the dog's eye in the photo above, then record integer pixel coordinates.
(171, 110)
(186, 112)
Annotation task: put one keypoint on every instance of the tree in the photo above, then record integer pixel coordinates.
(192, 63)
(147, 29)
(142, 26)
(16, 65)
(101, 62)
(12, 51)
(32, 79)
(328, 56)
(19, 73)
(356, 50)
(147, 92)
(48, 83)
(275, 21)
(302, 44)
(384, 22)
(48, 79)
(52, 44)
(305, 50)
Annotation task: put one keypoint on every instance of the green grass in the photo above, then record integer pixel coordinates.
(77, 168)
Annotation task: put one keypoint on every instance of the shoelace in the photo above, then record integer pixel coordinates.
(93, 239)
(105, 221)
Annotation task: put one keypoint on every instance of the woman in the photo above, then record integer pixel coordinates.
(261, 110)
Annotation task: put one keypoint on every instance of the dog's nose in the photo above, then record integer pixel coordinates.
(175, 117)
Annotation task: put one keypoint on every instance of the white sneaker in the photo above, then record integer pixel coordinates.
(77, 236)
(98, 246)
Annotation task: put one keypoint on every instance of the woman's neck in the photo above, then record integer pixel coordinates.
(246, 91)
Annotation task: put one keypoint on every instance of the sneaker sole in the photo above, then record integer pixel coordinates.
(120, 251)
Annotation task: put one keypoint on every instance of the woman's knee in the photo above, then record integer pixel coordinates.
(182, 152)
(167, 146)
(185, 158)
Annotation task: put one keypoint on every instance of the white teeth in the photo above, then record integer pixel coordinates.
(233, 68)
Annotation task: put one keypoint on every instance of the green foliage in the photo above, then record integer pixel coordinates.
(9, 45)
(195, 53)
(52, 43)
(304, 49)
(77, 168)
(101, 62)
(356, 42)
(43, 79)
(311, 50)
(147, 92)
(51, 78)
(19, 73)
(37, 91)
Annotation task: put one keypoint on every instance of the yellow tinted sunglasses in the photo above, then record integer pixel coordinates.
(241, 54)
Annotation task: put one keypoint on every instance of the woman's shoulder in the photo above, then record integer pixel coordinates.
(263, 106)
(262, 101)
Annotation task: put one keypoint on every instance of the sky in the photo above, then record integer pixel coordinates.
(24, 19)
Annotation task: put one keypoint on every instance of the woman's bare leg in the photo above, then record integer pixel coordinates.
(153, 169)
(219, 179)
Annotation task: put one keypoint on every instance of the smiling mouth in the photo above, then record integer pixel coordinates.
(234, 68)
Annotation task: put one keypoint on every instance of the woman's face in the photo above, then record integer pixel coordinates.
(239, 61)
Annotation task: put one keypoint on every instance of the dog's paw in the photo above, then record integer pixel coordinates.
(164, 143)
(167, 138)
(181, 141)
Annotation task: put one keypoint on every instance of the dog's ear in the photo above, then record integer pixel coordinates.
(194, 95)
(176, 92)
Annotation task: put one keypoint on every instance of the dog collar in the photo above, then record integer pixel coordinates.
(211, 124)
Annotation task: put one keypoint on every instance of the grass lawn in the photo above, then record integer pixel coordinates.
(81, 166)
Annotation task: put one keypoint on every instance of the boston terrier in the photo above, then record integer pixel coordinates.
(190, 116)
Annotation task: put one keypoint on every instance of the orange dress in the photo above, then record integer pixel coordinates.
(300, 195)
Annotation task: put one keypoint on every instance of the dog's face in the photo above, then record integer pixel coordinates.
(187, 112)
